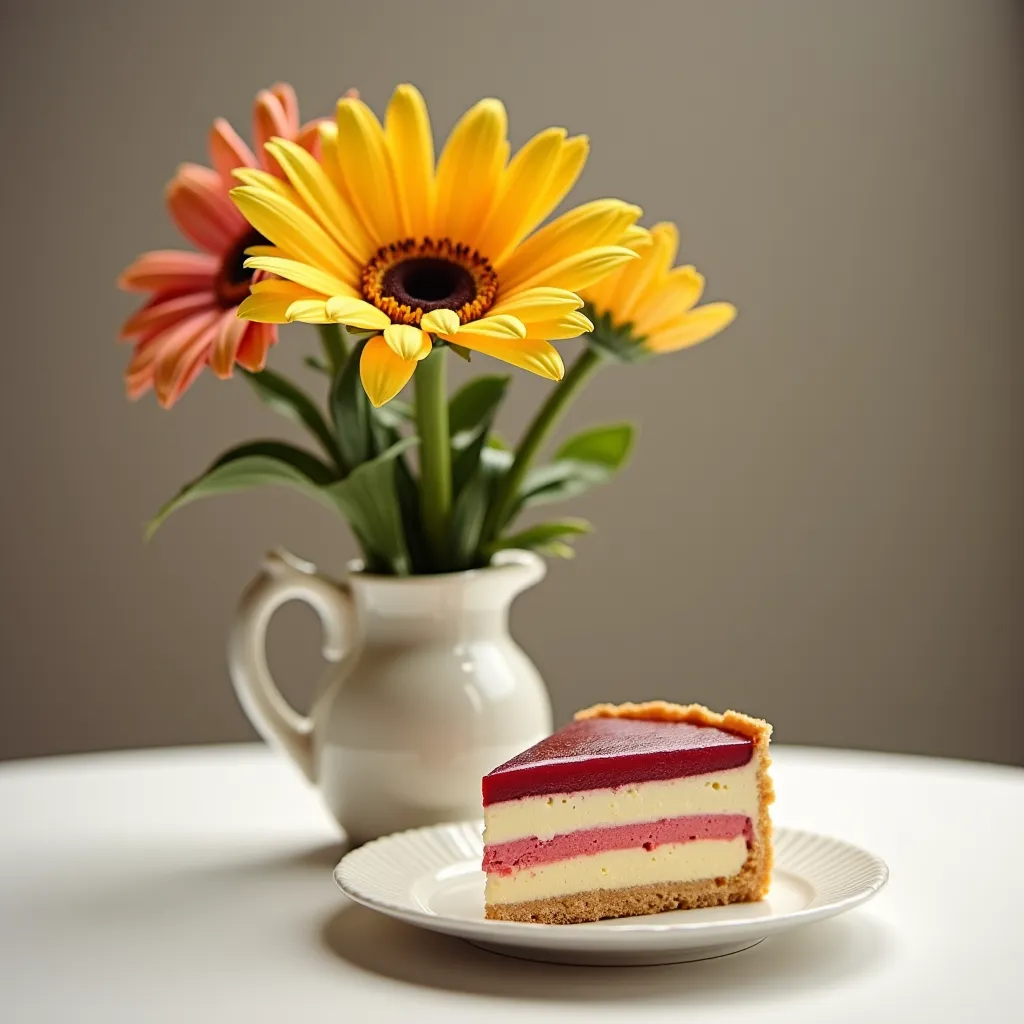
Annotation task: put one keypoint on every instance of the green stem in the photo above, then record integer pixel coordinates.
(332, 338)
(435, 454)
(547, 416)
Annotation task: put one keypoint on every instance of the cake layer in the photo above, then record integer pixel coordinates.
(522, 854)
(730, 792)
(598, 753)
(618, 869)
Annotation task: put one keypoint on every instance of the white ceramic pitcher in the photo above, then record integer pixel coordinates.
(426, 691)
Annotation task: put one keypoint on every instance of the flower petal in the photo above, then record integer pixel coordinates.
(162, 310)
(252, 352)
(170, 270)
(528, 353)
(409, 139)
(441, 321)
(469, 171)
(700, 324)
(181, 356)
(382, 372)
(301, 273)
(290, 105)
(321, 199)
(538, 304)
(407, 341)
(674, 297)
(570, 164)
(523, 182)
(365, 166)
(263, 179)
(500, 326)
(228, 151)
(581, 269)
(308, 311)
(353, 312)
(201, 209)
(269, 118)
(602, 222)
(571, 325)
(293, 231)
(641, 279)
(225, 346)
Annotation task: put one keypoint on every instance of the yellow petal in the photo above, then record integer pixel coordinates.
(571, 325)
(308, 311)
(263, 179)
(699, 325)
(407, 130)
(317, 190)
(407, 341)
(469, 171)
(570, 163)
(602, 222)
(265, 309)
(365, 167)
(301, 273)
(344, 309)
(264, 250)
(382, 372)
(538, 304)
(289, 289)
(500, 326)
(636, 238)
(293, 230)
(524, 181)
(441, 321)
(527, 353)
(647, 274)
(581, 269)
(671, 300)
(330, 158)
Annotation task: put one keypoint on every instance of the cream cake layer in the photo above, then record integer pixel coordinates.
(734, 791)
(618, 869)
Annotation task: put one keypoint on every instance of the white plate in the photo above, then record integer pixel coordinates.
(431, 877)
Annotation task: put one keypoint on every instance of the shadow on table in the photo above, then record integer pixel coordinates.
(818, 956)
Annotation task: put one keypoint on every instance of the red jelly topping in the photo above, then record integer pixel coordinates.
(598, 753)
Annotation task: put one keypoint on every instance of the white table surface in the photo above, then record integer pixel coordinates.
(195, 885)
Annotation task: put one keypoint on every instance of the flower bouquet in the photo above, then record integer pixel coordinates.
(401, 263)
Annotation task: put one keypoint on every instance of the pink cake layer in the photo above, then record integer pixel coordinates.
(506, 858)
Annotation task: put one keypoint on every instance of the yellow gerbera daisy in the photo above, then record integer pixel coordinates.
(377, 238)
(655, 304)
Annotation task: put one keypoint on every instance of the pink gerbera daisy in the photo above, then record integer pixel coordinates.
(189, 320)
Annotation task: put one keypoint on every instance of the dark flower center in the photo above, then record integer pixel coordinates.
(429, 283)
(233, 279)
(413, 277)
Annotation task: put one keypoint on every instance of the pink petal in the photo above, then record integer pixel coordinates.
(252, 352)
(163, 310)
(139, 374)
(200, 207)
(228, 151)
(290, 105)
(170, 270)
(269, 119)
(225, 346)
(175, 367)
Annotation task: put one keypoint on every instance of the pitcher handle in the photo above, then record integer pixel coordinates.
(284, 578)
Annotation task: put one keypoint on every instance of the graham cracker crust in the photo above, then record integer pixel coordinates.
(632, 902)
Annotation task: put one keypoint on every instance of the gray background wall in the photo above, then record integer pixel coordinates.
(823, 522)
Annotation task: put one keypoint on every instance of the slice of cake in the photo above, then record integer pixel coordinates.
(630, 809)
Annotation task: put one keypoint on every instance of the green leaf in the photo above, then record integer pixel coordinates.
(408, 491)
(312, 363)
(368, 499)
(461, 351)
(351, 412)
(543, 536)
(471, 506)
(396, 414)
(471, 412)
(249, 465)
(497, 441)
(607, 446)
(584, 461)
(290, 400)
